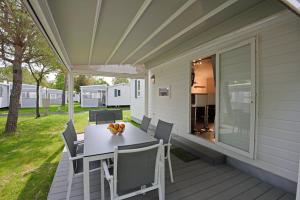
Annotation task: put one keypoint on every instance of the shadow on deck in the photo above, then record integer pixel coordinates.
(194, 180)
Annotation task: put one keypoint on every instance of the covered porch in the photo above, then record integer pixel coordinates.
(161, 42)
(194, 180)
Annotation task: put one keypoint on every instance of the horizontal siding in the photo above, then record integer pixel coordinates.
(279, 95)
(137, 105)
(278, 77)
(172, 109)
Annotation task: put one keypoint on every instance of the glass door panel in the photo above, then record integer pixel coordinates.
(236, 98)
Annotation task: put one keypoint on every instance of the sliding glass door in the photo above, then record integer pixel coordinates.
(236, 98)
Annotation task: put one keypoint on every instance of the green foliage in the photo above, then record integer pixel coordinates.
(59, 81)
(81, 80)
(6, 75)
(100, 81)
(120, 80)
(30, 157)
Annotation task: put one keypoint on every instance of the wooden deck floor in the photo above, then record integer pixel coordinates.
(194, 180)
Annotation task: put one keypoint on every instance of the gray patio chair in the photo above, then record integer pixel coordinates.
(163, 131)
(72, 132)
(145, 124)
(105, 117)
(75, 158)
(92, 114)
(136, 170)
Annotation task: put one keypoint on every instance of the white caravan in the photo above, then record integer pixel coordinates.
(93, 95)
(118, 95)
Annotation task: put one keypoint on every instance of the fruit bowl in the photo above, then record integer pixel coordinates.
(116, 128)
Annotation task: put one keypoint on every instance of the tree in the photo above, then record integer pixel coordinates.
(81, 80)
(100, 81)
(61, 84)
(120, 80)
(41, 64)
(6, 74)
(17, 33)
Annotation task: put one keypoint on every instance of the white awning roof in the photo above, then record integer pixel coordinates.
(119, 37)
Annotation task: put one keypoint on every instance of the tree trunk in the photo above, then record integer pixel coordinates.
(37, 105)
(63, 98)
(13, 112)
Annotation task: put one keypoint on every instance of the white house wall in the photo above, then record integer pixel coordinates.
(137, 104)
(4, 98)
(123, 100)
(91, 102)
(278, 86)
(30, 102)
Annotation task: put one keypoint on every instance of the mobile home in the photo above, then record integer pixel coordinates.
(4, 95)
(54, 95)
(93, 95)
(137, 99)
(118, 95)
(28, 96)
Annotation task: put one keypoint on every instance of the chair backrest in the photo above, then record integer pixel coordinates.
(145, 123)
(93, 113)
(105, 117)
(136, 166)
(69, 143)
(72, 130)
(163, 131)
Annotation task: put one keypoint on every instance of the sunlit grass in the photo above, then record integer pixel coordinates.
(29, 158)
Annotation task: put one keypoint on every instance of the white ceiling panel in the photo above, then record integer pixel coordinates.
(148, 23)
(231, 11)
(115, 16)
(130, 31)
(74, 21)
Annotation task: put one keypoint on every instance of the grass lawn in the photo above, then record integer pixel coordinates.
(54, 109)
(29, 158)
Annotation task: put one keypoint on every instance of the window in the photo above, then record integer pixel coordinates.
(117, 92)
(137, 86)
(32, 95)
(52, 96)
(1, 91)
(86, 95)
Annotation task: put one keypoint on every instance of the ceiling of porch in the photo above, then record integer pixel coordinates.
(99, 35)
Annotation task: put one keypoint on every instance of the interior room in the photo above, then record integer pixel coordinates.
(203, 98)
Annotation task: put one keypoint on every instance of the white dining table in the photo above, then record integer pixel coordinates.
(99, 144)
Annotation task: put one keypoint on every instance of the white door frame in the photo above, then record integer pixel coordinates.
(252, 42)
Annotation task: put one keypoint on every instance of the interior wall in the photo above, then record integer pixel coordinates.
(278, 100)
(204, 77)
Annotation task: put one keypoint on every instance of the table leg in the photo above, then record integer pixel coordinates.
(102, 181)
(86, 179)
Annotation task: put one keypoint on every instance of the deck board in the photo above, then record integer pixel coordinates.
(194, 180)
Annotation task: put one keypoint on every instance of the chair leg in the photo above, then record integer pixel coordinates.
(160, 196)
(170, 166)
(70, 179)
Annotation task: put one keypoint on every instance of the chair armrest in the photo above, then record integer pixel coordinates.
(106, 171)
(77, 157)
(79, 142)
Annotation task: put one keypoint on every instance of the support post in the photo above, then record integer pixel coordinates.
(146, 93)
(70, 95)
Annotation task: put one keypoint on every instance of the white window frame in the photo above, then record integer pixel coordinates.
(138, 88)
(250, 154)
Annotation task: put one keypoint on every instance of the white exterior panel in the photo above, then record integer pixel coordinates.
(90, 96)
(4, 95)
(137, 103)
(278, 93)
(116, 100)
